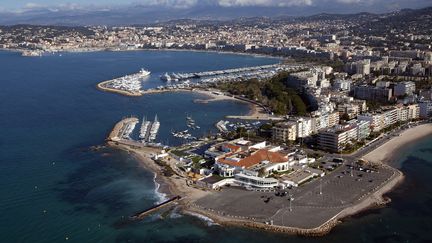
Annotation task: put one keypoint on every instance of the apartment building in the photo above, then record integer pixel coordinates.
(285, 131)
(335, 139)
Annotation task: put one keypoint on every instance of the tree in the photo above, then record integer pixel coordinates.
(345, 117)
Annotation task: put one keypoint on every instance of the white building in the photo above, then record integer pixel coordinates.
(410, 112)
(304, 127)
(382, 119)
(341, 84)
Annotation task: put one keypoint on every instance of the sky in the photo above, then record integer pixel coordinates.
(17, 5)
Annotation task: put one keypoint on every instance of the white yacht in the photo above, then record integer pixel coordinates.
(143, 72)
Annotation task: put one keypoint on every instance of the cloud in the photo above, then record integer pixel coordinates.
(341, 6)
(224, 3)
(169, 3)
(360, 2)
(273, 3)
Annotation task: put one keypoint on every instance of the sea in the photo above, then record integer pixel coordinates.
(55, 187)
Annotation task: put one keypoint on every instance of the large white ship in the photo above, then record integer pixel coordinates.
(143, 72)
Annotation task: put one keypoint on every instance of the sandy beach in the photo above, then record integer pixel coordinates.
(171, 186)
(256, 112)
(392, 148)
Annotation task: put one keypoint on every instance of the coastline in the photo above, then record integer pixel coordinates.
(176, 185)
(255, 113)
(170, 186)
(104, 49)
(374, 200)
(393, 148)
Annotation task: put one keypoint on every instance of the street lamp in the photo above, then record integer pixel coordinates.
(290, 202)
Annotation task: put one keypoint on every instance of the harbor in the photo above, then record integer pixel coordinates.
(326, 202)
(186, 134)
(235, 74)
(131, 85)
(128, 85)
(123, 130)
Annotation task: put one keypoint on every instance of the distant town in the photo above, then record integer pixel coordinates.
(345, 87)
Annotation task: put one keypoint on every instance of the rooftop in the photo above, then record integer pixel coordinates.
(253, 158)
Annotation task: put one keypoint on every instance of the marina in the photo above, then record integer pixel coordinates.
(129, 84)
(259, 72)
(149, 130)
(185, 134)
(128, 129)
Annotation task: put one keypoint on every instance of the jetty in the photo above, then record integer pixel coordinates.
(142, 214)
(122, 129)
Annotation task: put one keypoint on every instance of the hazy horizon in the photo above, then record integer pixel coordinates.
(333, 6)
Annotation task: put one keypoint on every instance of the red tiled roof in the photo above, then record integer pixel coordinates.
(232, 147)
(255, 158)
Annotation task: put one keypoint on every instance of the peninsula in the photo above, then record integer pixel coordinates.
(310, 208)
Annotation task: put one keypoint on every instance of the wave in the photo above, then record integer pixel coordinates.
(160, 197)
(175, 214)
(206, 219)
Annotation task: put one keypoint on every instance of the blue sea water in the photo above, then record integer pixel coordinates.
(54, 188)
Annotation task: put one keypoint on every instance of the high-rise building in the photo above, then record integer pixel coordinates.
(373, 93)
(335, 138)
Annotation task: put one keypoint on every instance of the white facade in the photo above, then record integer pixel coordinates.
(255, 181)
(342, 84)
(304, 127)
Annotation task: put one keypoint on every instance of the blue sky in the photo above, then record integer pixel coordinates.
(67, 4)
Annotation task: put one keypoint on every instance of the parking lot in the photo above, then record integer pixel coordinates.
(313, 203)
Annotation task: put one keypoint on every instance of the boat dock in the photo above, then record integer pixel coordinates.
(263, 71)
(149, 130)
(145, 128)
(142, 214)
